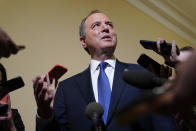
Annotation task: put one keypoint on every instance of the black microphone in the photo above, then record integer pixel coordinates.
(142, 79)
(94, 112)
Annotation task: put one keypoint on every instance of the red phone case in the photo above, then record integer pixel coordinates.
(56, 72)
(4, 99)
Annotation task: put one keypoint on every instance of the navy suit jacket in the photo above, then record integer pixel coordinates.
(76, 92)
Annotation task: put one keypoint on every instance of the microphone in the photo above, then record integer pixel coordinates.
(142, 79)
(94, 112)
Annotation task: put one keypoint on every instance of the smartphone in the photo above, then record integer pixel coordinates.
(13, 84)
(3, 109)
(149, 64)
(56, 72)
(165, 47)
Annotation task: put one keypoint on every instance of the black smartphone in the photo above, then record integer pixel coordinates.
(149, 64)
(13, 84)
(3, 109)
(165, 47)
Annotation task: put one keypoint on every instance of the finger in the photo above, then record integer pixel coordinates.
(3, 118)
(170, 72)
(50, 101)
(9, 102)
(173, 50)
(158, 45)
(35, 81)
(42, 96)
(159, 42)
(47, 79)
(52, 88)
(38, 88)
(54, 83)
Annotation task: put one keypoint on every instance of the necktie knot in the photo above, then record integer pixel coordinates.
(103, 65)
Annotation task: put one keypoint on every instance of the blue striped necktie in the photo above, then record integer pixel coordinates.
(104, 90)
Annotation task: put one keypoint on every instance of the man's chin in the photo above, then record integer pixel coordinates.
(109, 44)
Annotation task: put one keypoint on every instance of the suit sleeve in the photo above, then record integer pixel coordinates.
(60, 109)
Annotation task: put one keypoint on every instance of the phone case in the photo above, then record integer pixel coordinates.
(4, 99)
(56, 72)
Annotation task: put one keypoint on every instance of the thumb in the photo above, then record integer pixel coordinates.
(53, 82)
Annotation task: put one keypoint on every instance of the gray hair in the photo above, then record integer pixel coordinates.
(82, 32)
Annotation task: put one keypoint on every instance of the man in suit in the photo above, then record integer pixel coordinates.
(98, 38)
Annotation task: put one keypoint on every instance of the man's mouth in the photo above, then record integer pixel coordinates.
(106, 37)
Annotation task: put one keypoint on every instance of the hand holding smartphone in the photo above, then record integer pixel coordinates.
(165, 47)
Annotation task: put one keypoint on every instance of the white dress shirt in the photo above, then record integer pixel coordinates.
(109, 70)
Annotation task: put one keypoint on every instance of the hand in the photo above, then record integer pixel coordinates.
(44, 93)
(171, 58)
(7, 46)
(6, 120)
(165, 71)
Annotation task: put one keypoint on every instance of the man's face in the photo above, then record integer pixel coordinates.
(100, 34)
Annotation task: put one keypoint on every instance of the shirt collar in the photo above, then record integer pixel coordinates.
(94, 64)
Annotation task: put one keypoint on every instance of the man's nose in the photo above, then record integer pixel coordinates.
(105, 29)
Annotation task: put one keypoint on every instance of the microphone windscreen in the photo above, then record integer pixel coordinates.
(92, 108)
(139, 78)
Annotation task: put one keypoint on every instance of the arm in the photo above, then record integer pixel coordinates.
(44, 95)
(6, 120)
(60, 109)
(18, 120)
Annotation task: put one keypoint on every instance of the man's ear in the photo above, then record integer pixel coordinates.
(83, 42)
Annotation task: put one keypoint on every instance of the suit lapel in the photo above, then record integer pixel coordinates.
(117, 89)
(85, 86)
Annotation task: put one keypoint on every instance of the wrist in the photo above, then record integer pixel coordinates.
(45, 114)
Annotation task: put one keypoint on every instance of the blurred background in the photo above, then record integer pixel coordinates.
(50, 31)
